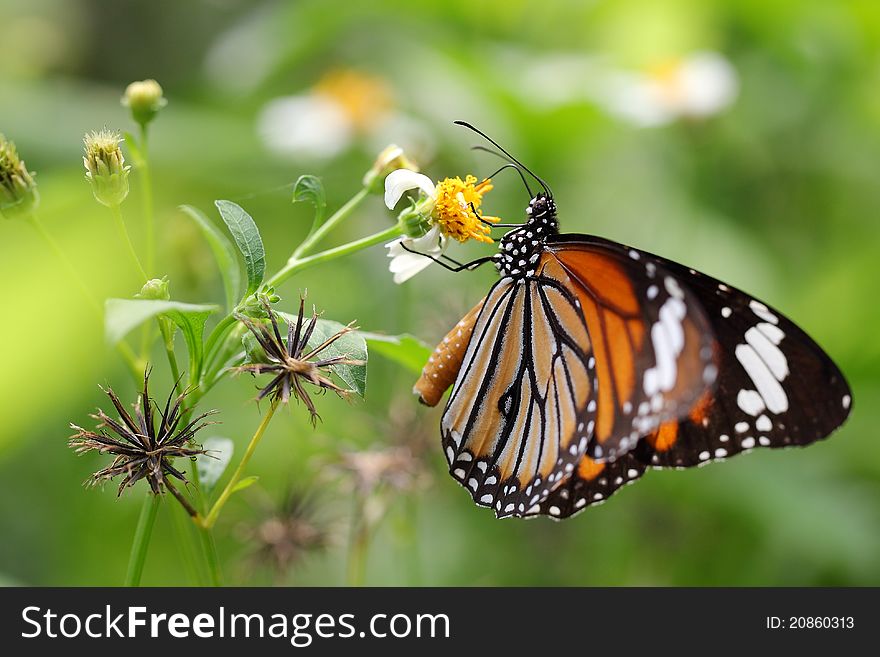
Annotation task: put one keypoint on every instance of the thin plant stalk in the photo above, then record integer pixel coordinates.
(359, 543)
(211, 518)
(210, 550)
(142, 536)
(183, 532)
(123, 235)
(295, 265)
(332, 222)
(147, 200)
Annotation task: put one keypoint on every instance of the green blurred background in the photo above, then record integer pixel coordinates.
(776, 193)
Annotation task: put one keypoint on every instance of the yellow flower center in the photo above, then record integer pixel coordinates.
(365, 99)
(456, 209)
(666, 74)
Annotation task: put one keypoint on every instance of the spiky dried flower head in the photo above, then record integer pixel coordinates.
(143, 444)
(290, 360)
(105, 166)
(18, 190)
(287, 533)
(144, 98)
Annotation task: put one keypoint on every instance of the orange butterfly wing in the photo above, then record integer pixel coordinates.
(652, 342)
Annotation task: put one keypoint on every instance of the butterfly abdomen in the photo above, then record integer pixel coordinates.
(442, 367)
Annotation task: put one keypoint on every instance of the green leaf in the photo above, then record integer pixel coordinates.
(212, 464)
(311, 189)
(224, 254)
(247, 482)
(351, 345)
(247, 238)
(122, 315)
(404, 349)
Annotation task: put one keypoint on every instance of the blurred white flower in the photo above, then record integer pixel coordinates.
(324, 121)
(697, 86)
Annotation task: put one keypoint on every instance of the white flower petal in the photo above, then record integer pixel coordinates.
(403, 180)
(406, 264)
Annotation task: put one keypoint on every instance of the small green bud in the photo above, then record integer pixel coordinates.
(414, 220)
(105, 167)
(144, 98)
(18, 190)
(390, 159)
(255, 305)
(155, 288)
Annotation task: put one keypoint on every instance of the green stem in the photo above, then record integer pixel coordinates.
(168, 341)
(123, 234)
(210, 550)
(125, 351)
(211, 518)
(183, 533)
(216, 335)
(298, 264)
(332, 222)
(147, 196)
(142, 536)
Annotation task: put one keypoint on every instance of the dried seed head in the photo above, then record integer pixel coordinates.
(144, 444)
(289, 358)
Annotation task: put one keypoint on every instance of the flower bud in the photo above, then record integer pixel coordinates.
(390, 159)
(144, 99)
(254, 306)
(156, 289)
(18, 190)
(105, 167)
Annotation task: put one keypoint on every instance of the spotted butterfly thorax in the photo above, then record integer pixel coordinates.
(589, 362)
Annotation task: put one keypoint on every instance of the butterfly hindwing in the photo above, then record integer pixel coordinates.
(590, 483)
(519, 415)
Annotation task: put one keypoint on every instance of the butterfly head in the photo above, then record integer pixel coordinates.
(542, 206)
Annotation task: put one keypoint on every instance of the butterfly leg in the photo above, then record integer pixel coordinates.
(489, 223)
(456, 266)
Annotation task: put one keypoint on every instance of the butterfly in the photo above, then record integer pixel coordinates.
(589, 362)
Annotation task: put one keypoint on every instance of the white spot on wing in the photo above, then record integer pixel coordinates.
(768, 387)
(769, 353)
(763, 312)
(750, 402)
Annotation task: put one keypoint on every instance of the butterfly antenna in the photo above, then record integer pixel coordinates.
(509, 165)
(511, 157)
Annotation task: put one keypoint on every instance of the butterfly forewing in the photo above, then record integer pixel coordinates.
(519, 416)
(775, 388)
(651, 339)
